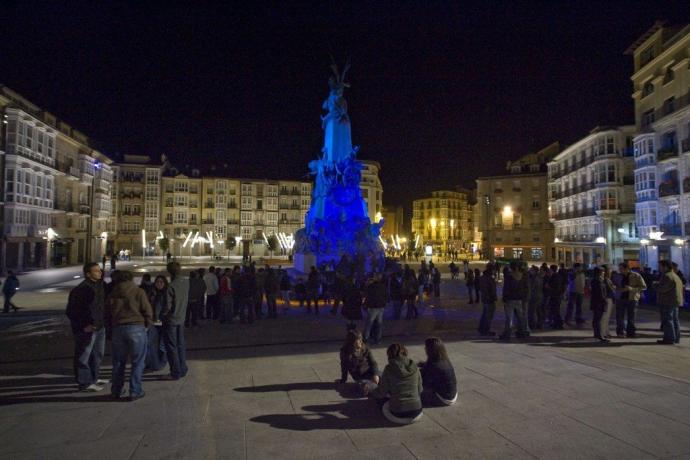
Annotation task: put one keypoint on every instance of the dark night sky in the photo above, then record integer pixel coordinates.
(440, 94)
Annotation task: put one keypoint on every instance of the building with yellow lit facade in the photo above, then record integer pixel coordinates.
(443, 221)
(513, 210)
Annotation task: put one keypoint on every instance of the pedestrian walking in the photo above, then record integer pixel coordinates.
(514, 292)
(313, 290)
(410, 287)
(285, 288)
(195, 302)
(9, 289)
(576, 295)
(85, 310)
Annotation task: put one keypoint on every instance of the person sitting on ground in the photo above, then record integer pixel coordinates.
(400, 388)
(438, 375)
(356, 359)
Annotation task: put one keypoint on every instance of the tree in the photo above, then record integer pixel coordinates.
(272, 243)
(164, 244)
(230, 242)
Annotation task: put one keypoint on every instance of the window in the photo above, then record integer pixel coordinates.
(668, 76)
(647, 55)
(648, 117)
(537, 253)
(669, 105)
(517, 253)
(647, 89)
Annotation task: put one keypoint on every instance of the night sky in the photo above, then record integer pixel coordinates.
(440, 94)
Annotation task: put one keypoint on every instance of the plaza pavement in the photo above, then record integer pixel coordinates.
(268, 390)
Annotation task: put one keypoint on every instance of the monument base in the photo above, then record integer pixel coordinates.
(302, 262)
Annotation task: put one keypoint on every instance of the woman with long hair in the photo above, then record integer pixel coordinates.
(438, 375)
(400, 387)
(356, 359)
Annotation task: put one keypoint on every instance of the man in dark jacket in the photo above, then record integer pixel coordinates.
(487, 286)
(514, 292)
(375, 303)
(556, 288)
(173, 322)
(85, 307)
(9, 289)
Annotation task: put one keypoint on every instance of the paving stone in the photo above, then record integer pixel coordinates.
(647, 431)
(107, 449)
(385, 433)
(299, 437)
(392, 452)
(473, 410)
(483, 443)
(564, 438)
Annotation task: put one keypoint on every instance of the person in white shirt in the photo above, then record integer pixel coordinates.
(211, 281)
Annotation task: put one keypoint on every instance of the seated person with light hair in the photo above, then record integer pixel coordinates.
(400, 388)
(356, 359)
(438, 375)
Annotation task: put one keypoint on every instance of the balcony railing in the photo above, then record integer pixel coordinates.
(644, 162)
(574, 214)
(84, 209)
(670, 229)
(207, 221)
(668, 189)
(660, 113)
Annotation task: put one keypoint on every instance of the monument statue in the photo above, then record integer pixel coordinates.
(337, 223)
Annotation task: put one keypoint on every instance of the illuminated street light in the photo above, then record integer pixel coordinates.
(678, 241)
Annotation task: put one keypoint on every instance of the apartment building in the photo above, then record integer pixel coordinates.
(56, 200)
(513, 210)
(591, 200)
(220, 208)
(443, 221)
(136, 201)
(372, 190)
(661, 91)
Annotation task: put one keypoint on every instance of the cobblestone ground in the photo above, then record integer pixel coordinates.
(267, 391)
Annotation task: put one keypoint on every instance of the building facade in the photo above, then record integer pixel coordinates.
(661, 92)
(591, 199)
(220, 209)
(56, 189)
(513, 210)
(443, 221)
(393, 221)
(372, 190)
(136, 197)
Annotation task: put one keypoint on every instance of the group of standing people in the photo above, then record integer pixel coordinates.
(404, 387)
(141, 324)
(533, 298)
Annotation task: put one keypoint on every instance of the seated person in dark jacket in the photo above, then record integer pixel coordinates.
(438, 375)
(357, 360)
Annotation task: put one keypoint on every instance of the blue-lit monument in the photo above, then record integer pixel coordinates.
(337, 223)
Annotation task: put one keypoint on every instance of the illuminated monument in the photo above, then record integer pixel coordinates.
(337, 223)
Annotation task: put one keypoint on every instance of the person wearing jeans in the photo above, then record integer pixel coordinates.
(128, 314)
(669, 298)
(629, 290)
(375, 303)
(129, 340)
(173, 322)
(514, 292)
(576, 294)
(85, 309)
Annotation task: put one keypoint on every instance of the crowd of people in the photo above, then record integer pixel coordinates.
(533, 298)
(404, 387)
(146, 322)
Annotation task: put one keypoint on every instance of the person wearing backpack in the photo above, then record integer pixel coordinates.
(85, 310)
